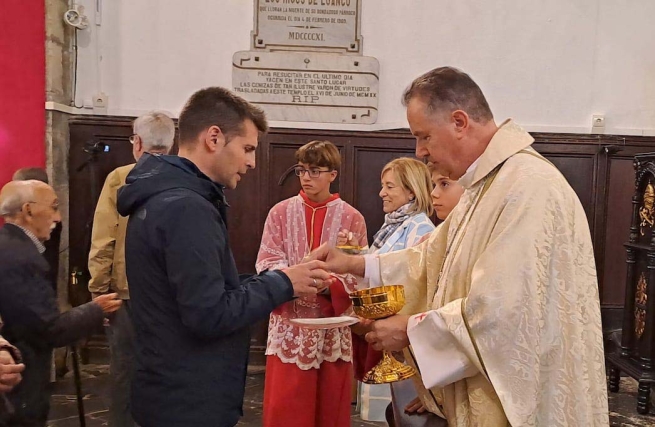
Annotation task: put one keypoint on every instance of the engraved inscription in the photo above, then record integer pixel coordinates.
(325, 87)
(318, 24)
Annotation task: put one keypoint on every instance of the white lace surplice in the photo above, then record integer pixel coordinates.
(284, 243)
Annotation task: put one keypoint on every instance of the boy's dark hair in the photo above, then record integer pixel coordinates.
(320, 153)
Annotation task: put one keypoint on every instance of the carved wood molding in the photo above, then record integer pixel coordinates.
(612, 142)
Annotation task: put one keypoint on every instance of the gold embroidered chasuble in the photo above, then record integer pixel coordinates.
(510, 330)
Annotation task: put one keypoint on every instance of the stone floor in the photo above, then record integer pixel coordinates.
(64, 413)
(64, 410)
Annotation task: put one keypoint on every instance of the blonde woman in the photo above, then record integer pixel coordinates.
(407, 204)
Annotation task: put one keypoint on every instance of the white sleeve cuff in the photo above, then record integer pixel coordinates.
(372, 270)
(438, 354)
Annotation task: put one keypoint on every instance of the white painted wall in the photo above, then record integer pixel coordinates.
(550, 64)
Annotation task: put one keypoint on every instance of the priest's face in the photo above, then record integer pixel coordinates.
(437, 138)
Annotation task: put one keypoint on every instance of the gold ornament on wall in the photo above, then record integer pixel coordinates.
(640, 321)
(646, 212)
(641, 297)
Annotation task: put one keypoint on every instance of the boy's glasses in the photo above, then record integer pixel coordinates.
(313, 173)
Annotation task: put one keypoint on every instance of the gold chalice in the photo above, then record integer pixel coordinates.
(378, 303)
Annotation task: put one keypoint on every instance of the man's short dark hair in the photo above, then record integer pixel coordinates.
(28, 174)
(216, 106)
(447, 89)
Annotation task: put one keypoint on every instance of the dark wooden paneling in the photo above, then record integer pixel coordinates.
(578, 164)
(241, 218)
(598, 167)
(86, 184)
(282, 183)
(620, 188)
(579, 172)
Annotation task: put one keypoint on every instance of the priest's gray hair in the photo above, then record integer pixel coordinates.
(447, 89)
(156, 130)
(11, 202)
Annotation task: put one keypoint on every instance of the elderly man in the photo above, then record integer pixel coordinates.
(28, 307)
(502, 313)
(153, 133)
(51, 253)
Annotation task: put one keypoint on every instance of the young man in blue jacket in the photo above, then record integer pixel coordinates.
(191, 314)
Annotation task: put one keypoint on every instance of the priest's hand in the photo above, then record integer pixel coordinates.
(338, 262)
(363, 327)
(389, 334)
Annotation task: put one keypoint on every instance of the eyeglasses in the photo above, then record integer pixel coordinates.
(133, 139)
(313, 173)
(54, 206)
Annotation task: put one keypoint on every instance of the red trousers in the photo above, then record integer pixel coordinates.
(313, 398)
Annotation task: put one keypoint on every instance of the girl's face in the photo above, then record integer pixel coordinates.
(445, 195)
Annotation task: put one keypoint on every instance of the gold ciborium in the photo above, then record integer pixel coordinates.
(378, 303)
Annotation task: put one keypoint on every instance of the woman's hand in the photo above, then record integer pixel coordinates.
(415, 407)
(346, 238)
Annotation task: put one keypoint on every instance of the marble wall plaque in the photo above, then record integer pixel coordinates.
(311, 87)
(319, 25)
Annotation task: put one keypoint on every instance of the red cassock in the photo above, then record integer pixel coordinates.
(309, 373)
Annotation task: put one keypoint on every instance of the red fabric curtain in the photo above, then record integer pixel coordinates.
(22, 86)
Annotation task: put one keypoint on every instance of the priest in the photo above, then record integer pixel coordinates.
(502, 317)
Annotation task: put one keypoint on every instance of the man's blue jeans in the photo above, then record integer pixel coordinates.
(120, 334)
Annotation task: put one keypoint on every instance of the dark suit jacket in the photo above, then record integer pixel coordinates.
(32, 321)
(51, 255)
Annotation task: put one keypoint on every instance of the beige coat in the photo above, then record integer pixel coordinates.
(107, 255)
(509, 286)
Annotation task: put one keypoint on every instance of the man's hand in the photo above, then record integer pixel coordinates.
(415, 407)
(308, 278)
(389, 334)
(337, 261)
(95, 295)
(9, 371)
(108, 302)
